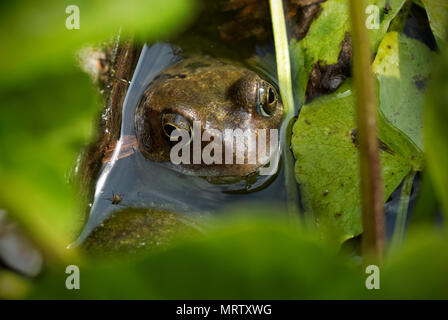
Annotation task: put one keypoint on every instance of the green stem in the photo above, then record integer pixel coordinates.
(373, 239)
(282, 56)
(285, 85)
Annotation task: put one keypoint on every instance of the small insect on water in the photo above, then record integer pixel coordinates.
(116, 198)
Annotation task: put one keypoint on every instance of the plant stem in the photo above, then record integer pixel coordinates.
(403, 205)
(282, 56)
(366, 114)
(285, 85)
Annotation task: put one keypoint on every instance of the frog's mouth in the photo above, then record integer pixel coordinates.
(235, 175)
(229, 177)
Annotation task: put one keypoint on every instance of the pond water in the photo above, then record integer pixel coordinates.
(134, 181)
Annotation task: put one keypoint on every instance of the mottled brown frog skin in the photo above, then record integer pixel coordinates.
(219, 95)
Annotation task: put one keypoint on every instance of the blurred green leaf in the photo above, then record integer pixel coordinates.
(49, 106)
(327, 162)
(437, 11)
(37, 39)
(12, 286)
(256, 259)
(418, 270)
(243, 259)
(435, 128)
(322, 44)
(44, 123)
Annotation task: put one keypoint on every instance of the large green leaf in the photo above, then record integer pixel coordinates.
(44, 123)
(437, 11)
(418, 270)
(48, 105)
(327, 167)
(254, 259)
(402, 67)
(36, 36)
(322, 44)
(247, 259)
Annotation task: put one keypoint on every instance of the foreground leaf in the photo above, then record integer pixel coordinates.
(435, 128)
(38, 40)
(255, 259)
(44, 123)
(248, 259)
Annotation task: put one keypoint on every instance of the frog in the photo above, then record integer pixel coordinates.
(216, 95)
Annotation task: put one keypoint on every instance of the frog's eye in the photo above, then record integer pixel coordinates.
(174, 121)
(267, 99)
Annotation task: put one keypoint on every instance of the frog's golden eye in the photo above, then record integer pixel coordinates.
(174, 121)
(267, 98)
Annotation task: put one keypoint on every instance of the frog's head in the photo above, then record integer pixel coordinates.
(215, 94)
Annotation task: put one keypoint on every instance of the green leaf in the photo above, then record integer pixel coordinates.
(37, 37)
(418, 270)
(437, 11)
(327, 167)
(435, 128)
(254, 259)
(242, 259)
(49, 106)
(322, 44)
(44, 123)
(402, 67)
